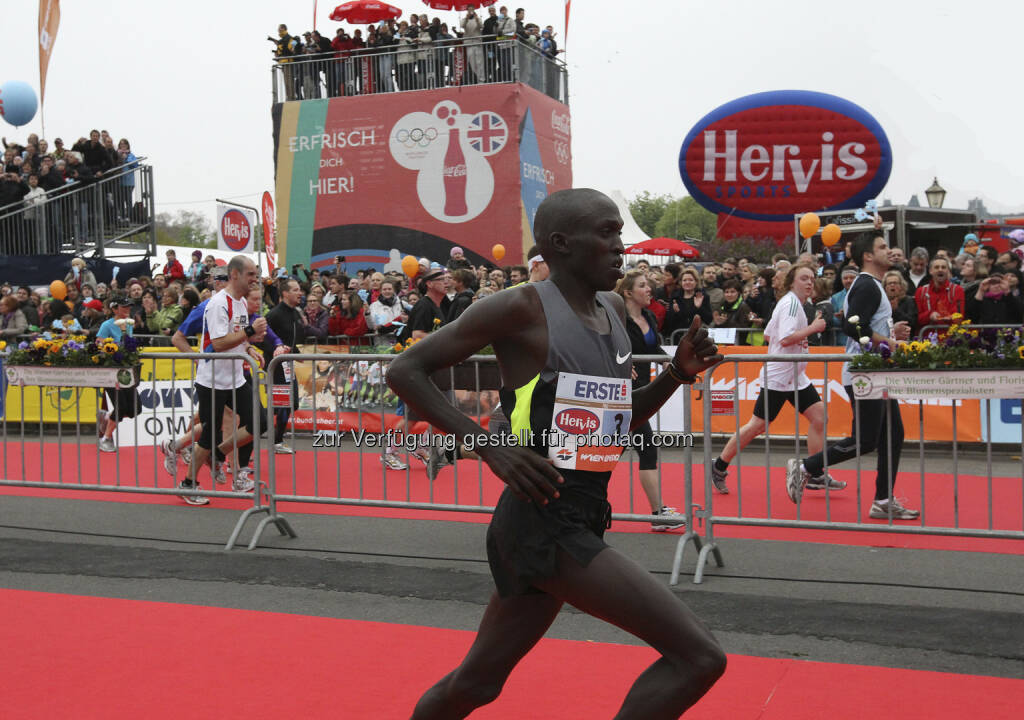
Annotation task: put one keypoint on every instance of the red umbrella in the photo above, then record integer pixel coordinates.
(663, 246)
(364, 12)
(459, 5)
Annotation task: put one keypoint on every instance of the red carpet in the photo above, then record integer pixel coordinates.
(335, 474)
(68, 656)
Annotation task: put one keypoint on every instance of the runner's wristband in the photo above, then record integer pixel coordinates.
(250, 331)
(680, 378)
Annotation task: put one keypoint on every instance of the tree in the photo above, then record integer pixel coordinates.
(647, 209)
(186, 228)
(684, 218)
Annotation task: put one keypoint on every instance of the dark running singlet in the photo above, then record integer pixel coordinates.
(584, 388)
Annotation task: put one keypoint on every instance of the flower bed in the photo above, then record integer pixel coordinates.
(961, 347)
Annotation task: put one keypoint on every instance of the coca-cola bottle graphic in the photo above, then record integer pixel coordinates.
(454, 177)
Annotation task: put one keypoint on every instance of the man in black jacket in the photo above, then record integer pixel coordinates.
(95, 155)
(289, 324)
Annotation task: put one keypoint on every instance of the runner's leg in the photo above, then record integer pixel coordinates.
(615, 589)
(509, 629)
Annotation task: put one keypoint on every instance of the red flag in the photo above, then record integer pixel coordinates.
(49, 20)
(269, 223)
(566, 38)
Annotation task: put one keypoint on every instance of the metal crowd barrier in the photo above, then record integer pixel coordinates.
(375, 485)
(829, 336)
(928, 329)
(711, 517)
(80, 466)
(415, 66)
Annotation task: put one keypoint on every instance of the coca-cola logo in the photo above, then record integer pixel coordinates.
(235, 229)
(771, 155)
(560, 122)
(455, 170)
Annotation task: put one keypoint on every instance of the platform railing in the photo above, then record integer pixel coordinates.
(429, 66)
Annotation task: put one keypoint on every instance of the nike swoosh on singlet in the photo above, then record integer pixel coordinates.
(620, 359)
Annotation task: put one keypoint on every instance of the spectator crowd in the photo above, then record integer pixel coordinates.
(35, 174)
(417, 52)
(376, 308)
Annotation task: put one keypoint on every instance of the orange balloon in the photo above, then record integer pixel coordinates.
(410, 266)
(58, 290)
(809, 225)
(498, 251)
(830, 234)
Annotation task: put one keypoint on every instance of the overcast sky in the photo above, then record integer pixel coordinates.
(189, 84)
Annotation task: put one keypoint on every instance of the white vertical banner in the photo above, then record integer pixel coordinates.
(236, 229)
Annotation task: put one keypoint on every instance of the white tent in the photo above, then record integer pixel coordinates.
(631, 232)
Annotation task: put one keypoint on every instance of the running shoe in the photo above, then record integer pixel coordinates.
(170, 457)
(677, 520)
(393, 462)
(796, 479)
(107, 445)
(244, 481)
(218, 473)
(880, 511)
(189, 485)
(819, 483)
(282, 449)
(718, 479)
(186, 455)
(435, 461)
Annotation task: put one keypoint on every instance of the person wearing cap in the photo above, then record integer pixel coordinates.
(196, 272)
(119, 403)
(458, 259)
(92, 316)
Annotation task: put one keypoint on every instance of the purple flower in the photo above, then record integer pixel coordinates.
(118, 357)
(974, 343)
(933, 337)
(130, 344)
(884, 350)
(23, 345)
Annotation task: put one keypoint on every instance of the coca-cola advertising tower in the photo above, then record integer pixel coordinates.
(378, 177)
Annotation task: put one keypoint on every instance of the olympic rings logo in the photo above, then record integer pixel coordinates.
(416, 136)
(562, 152)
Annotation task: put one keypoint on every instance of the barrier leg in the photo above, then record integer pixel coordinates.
(677, 561)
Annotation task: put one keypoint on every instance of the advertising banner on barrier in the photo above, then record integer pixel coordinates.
(378, 177)
(346, 394)
(937, 412)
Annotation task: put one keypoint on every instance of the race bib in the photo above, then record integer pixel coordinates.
(590, 422)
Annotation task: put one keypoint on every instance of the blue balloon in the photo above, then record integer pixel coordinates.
(18, 102)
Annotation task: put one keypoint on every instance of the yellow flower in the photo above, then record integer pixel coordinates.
(96, 359)
(964, 322)
(3, 344)
(437, 321)
(925, 344)
(40, 344)
(1020, 352)
(957, 316)
(397, 347)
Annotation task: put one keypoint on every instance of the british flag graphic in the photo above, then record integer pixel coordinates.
(487, 132)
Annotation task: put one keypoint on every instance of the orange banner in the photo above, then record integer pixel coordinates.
(49, 20)
(937, 414)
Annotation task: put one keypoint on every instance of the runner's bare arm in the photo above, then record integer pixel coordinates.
(501, 320)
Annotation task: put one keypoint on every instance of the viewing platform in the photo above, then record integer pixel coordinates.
(430, 66)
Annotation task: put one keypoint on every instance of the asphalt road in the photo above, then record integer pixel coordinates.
(921, 609)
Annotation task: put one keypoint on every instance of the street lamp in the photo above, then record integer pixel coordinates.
(935, 194)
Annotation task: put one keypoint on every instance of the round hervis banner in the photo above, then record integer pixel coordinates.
(235, 229)
(770, 155)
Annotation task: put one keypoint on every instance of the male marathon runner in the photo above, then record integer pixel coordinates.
(787, 333)
(545, 543)
(867, 312)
